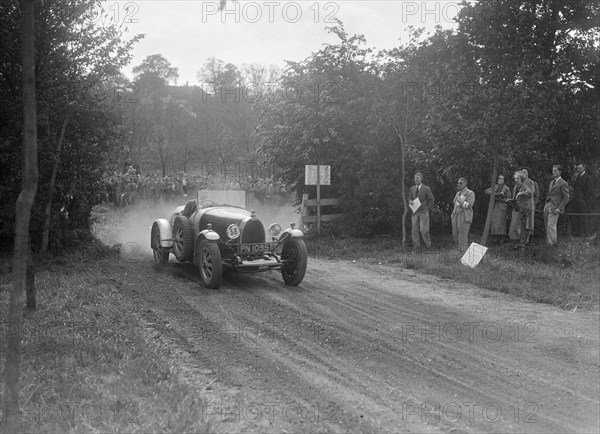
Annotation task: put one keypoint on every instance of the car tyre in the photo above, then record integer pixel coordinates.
(295, 251)
(161, 254)
(210, 265)
(183, 239)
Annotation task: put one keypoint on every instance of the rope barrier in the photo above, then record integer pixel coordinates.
(570, 213)
(573, 213)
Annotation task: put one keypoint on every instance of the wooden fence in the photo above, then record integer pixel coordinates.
(306, 202)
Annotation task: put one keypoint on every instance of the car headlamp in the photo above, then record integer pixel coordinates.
(233, 231)
(274, 230)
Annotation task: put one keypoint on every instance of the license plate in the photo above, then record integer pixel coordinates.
(255, 248)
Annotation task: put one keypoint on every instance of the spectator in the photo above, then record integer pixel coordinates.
(535, 199)
(583, 202)
(462, 214)
(501, 196)
(420, 217)
(522, 195)
(556, 200)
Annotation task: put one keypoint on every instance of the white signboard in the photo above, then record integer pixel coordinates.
(310, 175)
(473, 255)
(229, 197)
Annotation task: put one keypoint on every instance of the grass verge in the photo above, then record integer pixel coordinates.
(568, 277)
(88, 365)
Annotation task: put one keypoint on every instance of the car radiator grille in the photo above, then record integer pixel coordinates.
(254, 232)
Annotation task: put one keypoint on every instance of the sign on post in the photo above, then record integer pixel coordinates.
(317, 175)
(311, 171)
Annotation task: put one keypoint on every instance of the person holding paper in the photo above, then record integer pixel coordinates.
(420, 199)
(462, 214)
(535, 198)
(501, 194)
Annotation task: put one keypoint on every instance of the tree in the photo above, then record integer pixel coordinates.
(24, 203)
(218, 73)
(76, 62)
(156, 67)
(508, 78)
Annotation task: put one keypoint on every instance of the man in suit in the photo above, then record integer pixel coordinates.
(556, 200)
(583, 197)
(420, 217)
(462, 214)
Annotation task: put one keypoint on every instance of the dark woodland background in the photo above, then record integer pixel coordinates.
(517, 81)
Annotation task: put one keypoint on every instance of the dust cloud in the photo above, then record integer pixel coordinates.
(128, 229)
(281, 212)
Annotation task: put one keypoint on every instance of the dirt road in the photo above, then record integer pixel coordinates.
(378, 349)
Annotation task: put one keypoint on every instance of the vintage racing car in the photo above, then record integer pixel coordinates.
(218, 237)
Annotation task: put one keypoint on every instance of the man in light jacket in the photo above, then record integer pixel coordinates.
(462, 214)
(556, 200)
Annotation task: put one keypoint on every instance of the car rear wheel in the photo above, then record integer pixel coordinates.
(295, 257)
(161, 254)
(183, 238)
(210, 265)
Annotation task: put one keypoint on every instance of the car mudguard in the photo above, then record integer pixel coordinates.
(290, 233)
(165, 232)
(209, 235)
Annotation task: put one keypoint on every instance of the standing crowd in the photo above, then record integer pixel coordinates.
(521, 201)
(127, 188)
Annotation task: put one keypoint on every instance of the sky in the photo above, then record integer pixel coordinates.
(187, 33)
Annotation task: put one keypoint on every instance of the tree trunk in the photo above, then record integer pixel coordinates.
(30, 282)
(402, 181)
(490, 212)
(48, 212)
(10, 407)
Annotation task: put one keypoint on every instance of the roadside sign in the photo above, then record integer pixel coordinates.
(317, 175)
(473, 255)
(310, 174)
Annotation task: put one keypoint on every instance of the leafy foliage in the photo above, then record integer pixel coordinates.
(518, 82)
(77, 72)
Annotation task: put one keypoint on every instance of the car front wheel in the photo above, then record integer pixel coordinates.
(294, 256)
(210, 265)
(161, 254)
(183, 238)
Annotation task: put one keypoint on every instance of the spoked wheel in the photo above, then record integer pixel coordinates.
(211, 267)
(183, 239)
(295, 258)
(161, 254)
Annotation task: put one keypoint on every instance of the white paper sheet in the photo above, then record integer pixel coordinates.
(416, 204)
(473, 255)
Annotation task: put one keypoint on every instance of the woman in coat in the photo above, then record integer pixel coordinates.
(502, 195)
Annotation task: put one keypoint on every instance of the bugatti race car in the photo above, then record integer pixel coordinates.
(218, 237)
